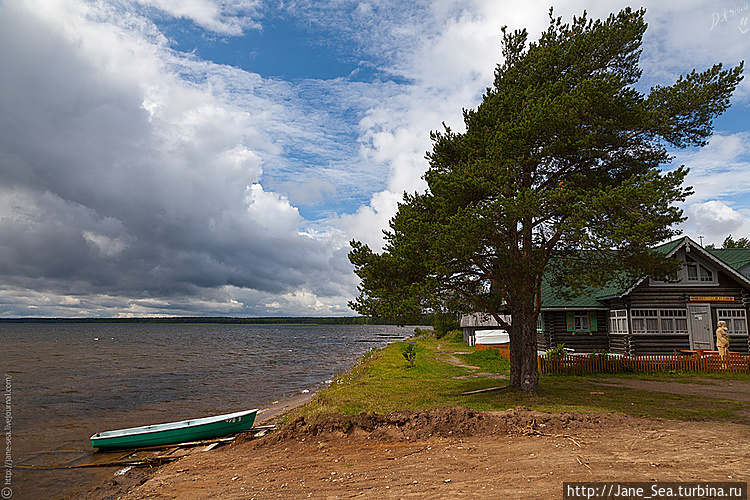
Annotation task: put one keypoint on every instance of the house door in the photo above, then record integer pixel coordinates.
(699, 316)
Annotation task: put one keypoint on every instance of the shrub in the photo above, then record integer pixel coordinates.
(556, 352)
(409, 352)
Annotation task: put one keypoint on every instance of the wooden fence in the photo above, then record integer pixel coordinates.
(504, 349)
(602, 363)
(706, 362)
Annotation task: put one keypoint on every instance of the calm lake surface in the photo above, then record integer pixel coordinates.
(68, 381)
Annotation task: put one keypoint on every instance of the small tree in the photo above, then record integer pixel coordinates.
(558, 176)
(409, 352)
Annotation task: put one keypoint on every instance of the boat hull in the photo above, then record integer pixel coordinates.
(175, 432)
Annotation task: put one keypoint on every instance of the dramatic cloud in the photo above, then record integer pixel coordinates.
(123, 177)
(138, 176)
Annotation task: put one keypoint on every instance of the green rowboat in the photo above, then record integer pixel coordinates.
(175, 432)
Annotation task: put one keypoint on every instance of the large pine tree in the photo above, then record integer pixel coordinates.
(563, 158)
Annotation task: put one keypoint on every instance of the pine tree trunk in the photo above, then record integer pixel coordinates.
(524, 372)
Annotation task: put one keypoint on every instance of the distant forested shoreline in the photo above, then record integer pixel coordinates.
(333, 320)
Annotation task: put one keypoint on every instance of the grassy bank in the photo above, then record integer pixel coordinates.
(444, 369)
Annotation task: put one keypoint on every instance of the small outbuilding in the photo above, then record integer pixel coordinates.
(481, 328)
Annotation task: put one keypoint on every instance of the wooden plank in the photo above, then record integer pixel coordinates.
(488, 389)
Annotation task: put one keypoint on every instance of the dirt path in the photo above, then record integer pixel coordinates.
(456, 453)
(736, 390)
(449, 358)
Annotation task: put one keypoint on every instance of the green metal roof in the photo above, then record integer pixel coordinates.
(668, 247)
(736, 258)
(590, 299)
(593, 298)
(596, 297)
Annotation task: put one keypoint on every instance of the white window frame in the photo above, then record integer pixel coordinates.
(618, 321)
(734, 318)
(673, 317)
(653, 321)
(703, 274)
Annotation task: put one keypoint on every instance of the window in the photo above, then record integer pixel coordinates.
(697, 273)
(735, 320)
(540, 323)
(692, 273)
(581, 321)
(673, 320)
(618, 321)
(659, 320)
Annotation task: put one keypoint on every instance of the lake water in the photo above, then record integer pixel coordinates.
(64, 382)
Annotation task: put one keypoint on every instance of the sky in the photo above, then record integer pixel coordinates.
(215, 157)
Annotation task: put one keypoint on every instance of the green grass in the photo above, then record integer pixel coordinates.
(488, 360)
(381, 382)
